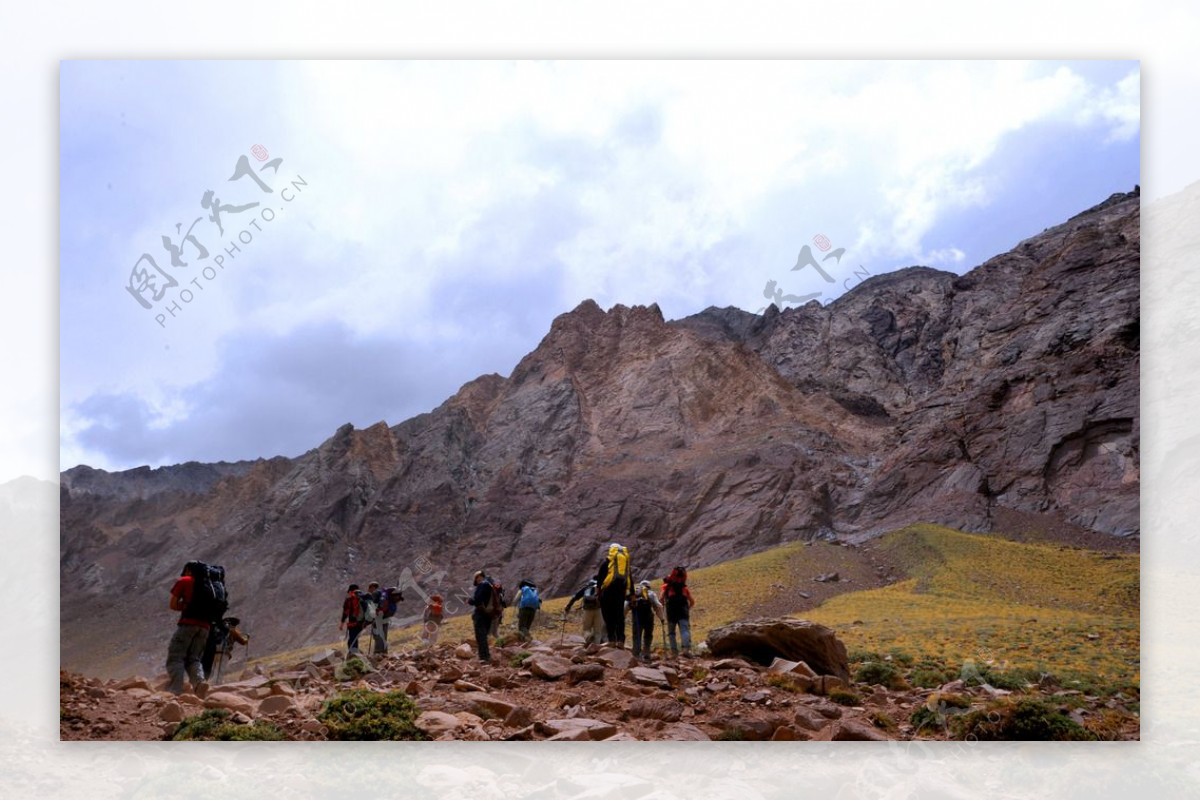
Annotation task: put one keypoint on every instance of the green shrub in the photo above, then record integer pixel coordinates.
(516, 659)
(882, 720)
(215, 724)
(732, 733)
(1012, 679)
(845, 698)
(930, 673)
(369, 715)
(353, 668)
(1023, 719)
(879, 673)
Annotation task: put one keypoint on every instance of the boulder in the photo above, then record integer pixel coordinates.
(789, 667)
(464, 651)
(616, 658)
(489, 705)
(648, 675)
(765, 640)
(276, 704)
(808, 718)
(845, 730)
(731, 664)
(550, 668)
(519, 718)
(464, 686)
(588, 672)
(831, 684)
(684, 731)
(750, 727)
(172, 712)
(231, 701)
(664, 709)
(136, 681)
(435, 724)
(594, 729)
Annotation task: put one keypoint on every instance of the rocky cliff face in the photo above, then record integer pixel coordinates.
(1005, 397)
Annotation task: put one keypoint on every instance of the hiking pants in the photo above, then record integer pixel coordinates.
(643, 632)
(483, 627)
(184, 653)
(352, 632)
(525, 618)
(612, 606)
(379, 635)
(685, 631)
(591, 626)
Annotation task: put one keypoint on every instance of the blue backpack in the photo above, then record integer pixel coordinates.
(529, 598)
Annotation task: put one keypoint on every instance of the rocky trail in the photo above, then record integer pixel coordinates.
(552, 690)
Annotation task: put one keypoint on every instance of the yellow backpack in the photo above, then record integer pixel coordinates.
(618, 564)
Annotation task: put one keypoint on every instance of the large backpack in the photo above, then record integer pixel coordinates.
(209, 599)
(435, 607)
(391, 597)
(368, 608)
(641, 598)
(529, 598)
(496, 601)
(618, 564)
(673, 597)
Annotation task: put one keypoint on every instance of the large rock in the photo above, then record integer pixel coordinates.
(489, 705)
(856, 730)
(664, 709)
(594, 729)
(550, 668)
(763, 641)
(231, 701)
(435, 723)
(684, 731)
(651, 676)
(616, 658)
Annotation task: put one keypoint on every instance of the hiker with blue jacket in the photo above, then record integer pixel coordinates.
(528, 604)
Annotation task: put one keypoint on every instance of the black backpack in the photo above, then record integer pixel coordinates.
(209, 599)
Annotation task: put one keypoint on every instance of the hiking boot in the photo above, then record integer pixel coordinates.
(201, 690)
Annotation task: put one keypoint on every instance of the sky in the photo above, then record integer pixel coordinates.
(388, 231)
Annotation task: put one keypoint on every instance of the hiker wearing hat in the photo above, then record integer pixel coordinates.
(487, 608)
(352, 619)
(615, 585)
(590, 595)
(644, 606)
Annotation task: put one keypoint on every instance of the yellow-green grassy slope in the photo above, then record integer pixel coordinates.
(966, 597)
(997, 602)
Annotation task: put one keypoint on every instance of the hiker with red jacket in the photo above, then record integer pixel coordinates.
(186, 649)
(677, 599)
(616, 585)
(432, 619)
(352, 619)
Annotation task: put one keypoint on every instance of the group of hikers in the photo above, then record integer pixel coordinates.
(606, 598)
(204, 635)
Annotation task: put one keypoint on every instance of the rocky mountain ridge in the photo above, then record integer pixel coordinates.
(1004, 397)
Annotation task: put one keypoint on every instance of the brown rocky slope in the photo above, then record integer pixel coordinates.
(918, 395)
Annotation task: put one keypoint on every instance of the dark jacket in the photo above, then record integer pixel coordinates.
(481, 598)
(579, 595)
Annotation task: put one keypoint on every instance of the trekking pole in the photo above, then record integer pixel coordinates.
(563, 635)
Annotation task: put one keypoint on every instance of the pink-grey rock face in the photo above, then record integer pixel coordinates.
(1008, 393)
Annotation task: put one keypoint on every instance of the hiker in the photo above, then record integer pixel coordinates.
(432, 620)
(615, 586)
(352, 619)
(377, 610)
(677, 598)
(389, 599)
(502, 600)
(643, 608)
(222, 635)
(590, 594)
(528, 604)
(186, 648)
(487, 609)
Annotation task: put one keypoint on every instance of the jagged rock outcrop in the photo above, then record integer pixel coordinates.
(1006, 396)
